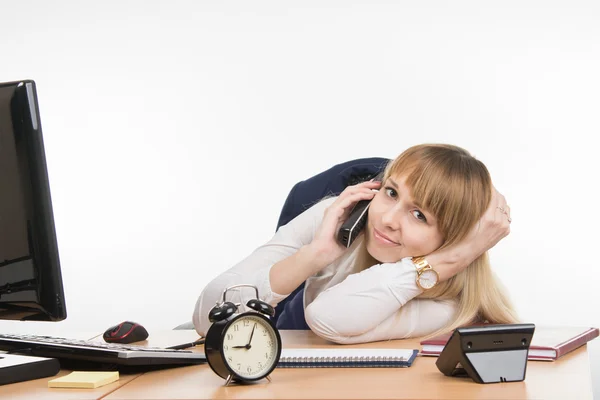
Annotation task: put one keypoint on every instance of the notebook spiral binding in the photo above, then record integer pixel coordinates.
(341, 361)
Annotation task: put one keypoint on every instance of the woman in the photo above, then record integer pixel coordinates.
(419, 269)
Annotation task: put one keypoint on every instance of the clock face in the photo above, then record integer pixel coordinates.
(250, 347)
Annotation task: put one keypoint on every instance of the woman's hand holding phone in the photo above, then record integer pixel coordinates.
(325, 245)
(287, 274)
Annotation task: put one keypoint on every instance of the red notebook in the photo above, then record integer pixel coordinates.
(547, 344)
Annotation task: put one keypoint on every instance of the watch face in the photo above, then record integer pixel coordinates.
(251, 346)
(428, 279)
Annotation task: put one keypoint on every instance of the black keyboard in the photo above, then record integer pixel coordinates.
(98, 352)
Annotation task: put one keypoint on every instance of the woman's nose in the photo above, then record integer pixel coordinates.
(391, 220)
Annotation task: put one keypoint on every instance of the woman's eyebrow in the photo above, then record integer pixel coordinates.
(395, 185)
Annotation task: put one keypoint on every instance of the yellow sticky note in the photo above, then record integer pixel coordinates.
(84, 379)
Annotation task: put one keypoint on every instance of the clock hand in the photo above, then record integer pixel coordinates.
(249, 340)
(251, 334)
(246, 346)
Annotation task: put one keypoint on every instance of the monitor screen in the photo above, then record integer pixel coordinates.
(30, 277)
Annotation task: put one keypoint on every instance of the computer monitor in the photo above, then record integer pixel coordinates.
(31, 285)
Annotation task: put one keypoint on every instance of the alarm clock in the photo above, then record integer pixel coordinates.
(242, 347)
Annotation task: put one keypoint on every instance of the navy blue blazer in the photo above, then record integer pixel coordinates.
(289, 313)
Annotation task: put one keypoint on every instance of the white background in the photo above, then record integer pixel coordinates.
(174, 131)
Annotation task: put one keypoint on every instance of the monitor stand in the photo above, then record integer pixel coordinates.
(18, 368)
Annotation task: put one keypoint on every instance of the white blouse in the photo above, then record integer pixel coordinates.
(340, 304)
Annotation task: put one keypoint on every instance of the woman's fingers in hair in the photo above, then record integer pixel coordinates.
(492, 227)
(501, 223)
(501, 206)
(496, 218)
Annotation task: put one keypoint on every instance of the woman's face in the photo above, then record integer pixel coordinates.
(397, 227)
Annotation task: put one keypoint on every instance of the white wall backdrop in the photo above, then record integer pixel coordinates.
(174, 131)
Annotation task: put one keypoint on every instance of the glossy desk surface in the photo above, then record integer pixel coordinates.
(569, 377)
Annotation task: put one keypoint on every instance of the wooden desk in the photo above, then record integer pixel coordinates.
(569, 377)
(38, 389)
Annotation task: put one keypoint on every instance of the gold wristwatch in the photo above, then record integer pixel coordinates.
(427, 277)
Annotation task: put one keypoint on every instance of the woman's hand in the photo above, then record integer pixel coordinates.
(325, 245)
(289, 273)
(493, 226)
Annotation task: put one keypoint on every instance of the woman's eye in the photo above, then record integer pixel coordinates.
(419, 215)
(391, 192)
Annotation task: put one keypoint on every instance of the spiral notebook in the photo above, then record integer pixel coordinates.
(347, 358)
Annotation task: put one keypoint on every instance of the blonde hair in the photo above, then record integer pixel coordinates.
(457, 189)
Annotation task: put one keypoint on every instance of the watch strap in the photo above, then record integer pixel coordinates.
(421, 264)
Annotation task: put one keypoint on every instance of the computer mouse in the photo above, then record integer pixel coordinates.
(125, 332)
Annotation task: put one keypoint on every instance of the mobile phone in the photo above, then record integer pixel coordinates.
(357, 220)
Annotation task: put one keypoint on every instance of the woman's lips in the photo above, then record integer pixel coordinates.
(381, 238)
